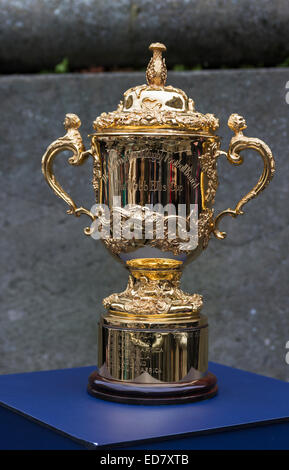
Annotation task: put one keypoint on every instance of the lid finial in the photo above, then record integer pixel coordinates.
(156, 73)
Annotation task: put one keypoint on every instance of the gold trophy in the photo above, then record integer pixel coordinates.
(154, 155)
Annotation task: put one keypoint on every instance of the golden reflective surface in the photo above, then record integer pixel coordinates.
(149, 354)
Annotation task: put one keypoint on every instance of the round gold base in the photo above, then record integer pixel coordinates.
(152, 394)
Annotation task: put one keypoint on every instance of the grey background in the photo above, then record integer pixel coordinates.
(53, 277)
(38, 34)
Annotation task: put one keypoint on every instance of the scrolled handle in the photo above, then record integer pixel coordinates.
(238, 143)
(70, 141)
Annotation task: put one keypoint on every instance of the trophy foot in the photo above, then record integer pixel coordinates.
(153, 340)
(152, 394)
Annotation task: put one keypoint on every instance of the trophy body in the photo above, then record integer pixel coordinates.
(155, 180)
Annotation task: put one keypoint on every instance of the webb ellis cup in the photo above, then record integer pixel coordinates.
(154, 168)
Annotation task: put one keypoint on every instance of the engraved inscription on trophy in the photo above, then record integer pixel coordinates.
(152, 186)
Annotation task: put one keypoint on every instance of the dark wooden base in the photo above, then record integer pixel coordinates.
(151, 394)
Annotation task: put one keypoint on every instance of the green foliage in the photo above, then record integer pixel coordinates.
(63, 66)
(182, 68)
(179, 68)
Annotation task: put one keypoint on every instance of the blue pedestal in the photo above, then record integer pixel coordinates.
(52, 410)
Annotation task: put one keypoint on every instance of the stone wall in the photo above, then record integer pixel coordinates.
(53, 277)
(38, 34)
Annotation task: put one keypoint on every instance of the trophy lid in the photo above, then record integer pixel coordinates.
(155, 107)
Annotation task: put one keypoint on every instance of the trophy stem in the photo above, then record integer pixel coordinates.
(153, 340)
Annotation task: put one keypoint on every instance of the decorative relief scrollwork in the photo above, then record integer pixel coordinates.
(147, 296)
(156, 73)
(188, 120)
(209, 168)
(166, 243)
(205, 226)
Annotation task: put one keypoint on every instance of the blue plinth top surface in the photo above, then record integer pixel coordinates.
(58, 400)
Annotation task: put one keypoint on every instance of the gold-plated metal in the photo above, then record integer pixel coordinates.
(156, 107)
(153, 333)
(238, 143)
(151, 353)
(72, 141)
(186, 174)
(155, 151)
(154, 289)
(156, 73)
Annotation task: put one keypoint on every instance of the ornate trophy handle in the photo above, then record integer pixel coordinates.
(238, 143)
(70, 141)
